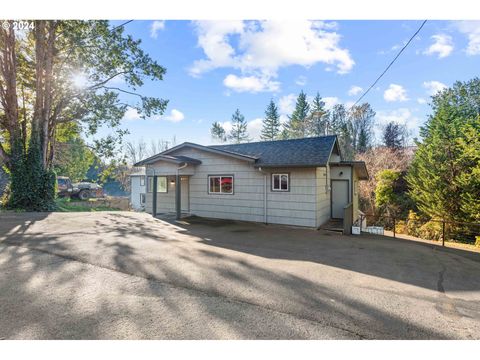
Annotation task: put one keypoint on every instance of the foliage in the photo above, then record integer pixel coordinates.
(218, 132)
(297, 125)
(137, 151)
(353, 127)
(73, 157)
(443, 177)
(238, 134)
(33, 188)
(393, 135)
(385, 197)
(271, 123)
(318, 120)
(39, 72)
(376, 160)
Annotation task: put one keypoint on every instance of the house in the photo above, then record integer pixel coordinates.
(301, 182)
(137, 190)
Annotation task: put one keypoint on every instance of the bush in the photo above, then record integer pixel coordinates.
(431, 230)
(33, 188)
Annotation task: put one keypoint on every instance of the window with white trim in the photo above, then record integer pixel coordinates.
(280, 182)
(161, 184)
(142, 180)
(220, 184)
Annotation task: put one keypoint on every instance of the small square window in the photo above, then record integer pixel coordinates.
(280, 182)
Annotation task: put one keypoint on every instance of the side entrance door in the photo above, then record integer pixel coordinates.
(339, 198)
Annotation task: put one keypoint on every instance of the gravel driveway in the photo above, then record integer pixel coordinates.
(124, 275)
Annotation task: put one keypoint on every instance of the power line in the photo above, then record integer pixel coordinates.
(389, 65)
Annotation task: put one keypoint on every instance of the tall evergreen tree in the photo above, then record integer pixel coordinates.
(218, 132)
(318, 120)
(340, 126)
(271, 123)
(444, 175)
(393, 135)
(239, 133)
(297, 125)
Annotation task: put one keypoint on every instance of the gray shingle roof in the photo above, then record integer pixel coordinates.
(313, 151)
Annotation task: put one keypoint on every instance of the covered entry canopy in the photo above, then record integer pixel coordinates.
(169, 158)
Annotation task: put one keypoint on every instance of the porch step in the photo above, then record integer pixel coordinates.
(333, 225)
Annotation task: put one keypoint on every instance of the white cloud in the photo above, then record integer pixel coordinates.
(421, 101)
(254, 128)
(434, 86)
(472, 30)
(250, 83)
(156, 26)
(395, 92)
(131, 114)
(175, 116)
(354, 90)
(401, 116)
(442, 46)
(330, 101)
(301, 81)
(261, 48)
(286, 104)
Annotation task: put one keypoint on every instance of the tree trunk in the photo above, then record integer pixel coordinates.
(9, 92)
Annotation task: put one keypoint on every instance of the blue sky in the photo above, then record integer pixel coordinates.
(214, 67)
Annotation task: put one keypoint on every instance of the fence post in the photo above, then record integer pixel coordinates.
(443, 233)
(394, 235)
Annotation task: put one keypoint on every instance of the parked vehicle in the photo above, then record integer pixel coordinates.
(83, 190)
(87, 190)
(64, 186)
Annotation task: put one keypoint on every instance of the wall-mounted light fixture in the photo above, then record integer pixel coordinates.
(341, 173)
(172, 181)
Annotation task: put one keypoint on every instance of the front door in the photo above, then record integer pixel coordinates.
(339, 197)
(184, 194)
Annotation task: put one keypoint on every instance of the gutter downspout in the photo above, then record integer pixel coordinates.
(178, 194)
(265, 220)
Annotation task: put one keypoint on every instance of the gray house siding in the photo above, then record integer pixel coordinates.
(322, 195)
(295, 207)
(246, 202)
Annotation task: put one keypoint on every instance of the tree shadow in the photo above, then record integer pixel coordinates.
(189, 280)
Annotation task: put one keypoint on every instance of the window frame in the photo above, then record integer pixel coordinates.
(221, 176)
(272, 188)
(142, 180)
(149, 187)
(143, 199)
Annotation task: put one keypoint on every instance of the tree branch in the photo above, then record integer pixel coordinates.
(121, 90)
(106, 80)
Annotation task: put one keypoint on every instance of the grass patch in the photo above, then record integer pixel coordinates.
(66, 205)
